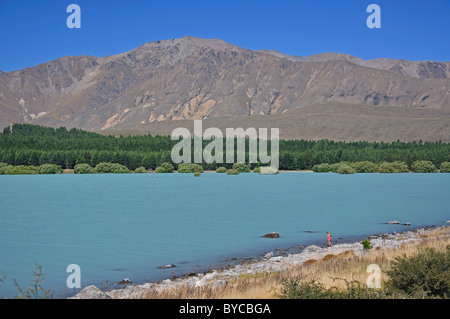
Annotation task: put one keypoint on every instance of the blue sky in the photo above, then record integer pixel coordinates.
(33, 31)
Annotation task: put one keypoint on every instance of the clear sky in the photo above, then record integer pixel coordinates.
(34, 31)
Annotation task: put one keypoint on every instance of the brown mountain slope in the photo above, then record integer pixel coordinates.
(192, 78)
(333, 121)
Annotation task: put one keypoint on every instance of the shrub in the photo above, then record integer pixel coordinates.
(299, 289)
(385, 167)
(257, 169)
(189, 168)
(35, 290)
(83, 169)
(221, 170)
(232, 172)
(366, 244)
(322, 168)
(426, 273)
(197, 174)
(312, 289)
(394, 167)
(445, 167)
(400, 167)
(4, 168)
(106, 168)
(364, 167)
(242, 167)
(345, 169)
(164, 168)
(19, 170)
(140, 170)
(50, 169)
(3, 165)
(423, 167)
(334, 167)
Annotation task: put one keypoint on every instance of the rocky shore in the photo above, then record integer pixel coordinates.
(269, 263)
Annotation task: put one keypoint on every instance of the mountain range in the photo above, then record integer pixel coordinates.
(166, 84)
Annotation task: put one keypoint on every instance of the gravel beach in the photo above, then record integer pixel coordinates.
(269, 263)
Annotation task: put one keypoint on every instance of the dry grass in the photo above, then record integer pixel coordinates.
(346, 265)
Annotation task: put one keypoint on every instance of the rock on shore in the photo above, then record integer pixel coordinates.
(91, 292)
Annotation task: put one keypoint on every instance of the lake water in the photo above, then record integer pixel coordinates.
(127, 225)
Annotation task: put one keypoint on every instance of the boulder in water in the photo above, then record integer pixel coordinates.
(167, 266)
(125, 281)
(272, 235)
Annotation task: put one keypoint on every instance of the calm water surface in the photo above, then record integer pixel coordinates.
(126, 225)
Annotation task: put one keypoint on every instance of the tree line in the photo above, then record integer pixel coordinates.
(27, 144)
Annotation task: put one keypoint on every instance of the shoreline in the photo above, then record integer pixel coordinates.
(67, 171)
(270, 263)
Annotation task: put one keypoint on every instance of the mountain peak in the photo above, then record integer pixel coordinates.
(194, 78)
(188, 41)
(176, 49)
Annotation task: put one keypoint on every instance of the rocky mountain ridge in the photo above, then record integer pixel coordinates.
(193, 78)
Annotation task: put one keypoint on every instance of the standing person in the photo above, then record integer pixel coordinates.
(329, 239)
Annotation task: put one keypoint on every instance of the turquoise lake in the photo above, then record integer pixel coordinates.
(127, 225)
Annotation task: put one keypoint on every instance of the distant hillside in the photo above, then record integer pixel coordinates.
(322, 96)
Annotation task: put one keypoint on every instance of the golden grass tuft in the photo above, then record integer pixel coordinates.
(309, 262)
(328, 257)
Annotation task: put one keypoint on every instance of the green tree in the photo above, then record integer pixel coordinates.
(445, 167)
(6, 130)
(307, 159)
(165, 168)
(426, 273)
(423, 167)
(345, 169)
(394, 167)
(257, 169)
(232, 172)
(140, 170)
(221, 170)
(242, 167)
(322, 168)
(364, 167)
(20, 170)
(189, 168)
(83, 169)
(34, 159)
(115, 168)
(50, 169)
(366, 244)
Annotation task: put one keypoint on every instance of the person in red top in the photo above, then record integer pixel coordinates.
(329, 239)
